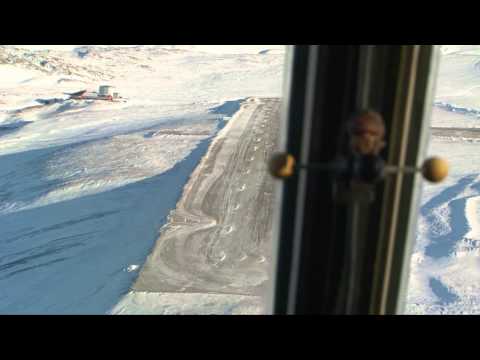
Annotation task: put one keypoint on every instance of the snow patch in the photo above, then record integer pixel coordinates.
(131, 268)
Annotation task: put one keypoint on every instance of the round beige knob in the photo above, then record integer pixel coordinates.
(435, 169)
(281, 165)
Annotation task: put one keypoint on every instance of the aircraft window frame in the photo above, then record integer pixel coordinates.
(400, 88)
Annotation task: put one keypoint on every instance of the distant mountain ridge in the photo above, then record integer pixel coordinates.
(50, 62)
(103, 63)
(218, 49)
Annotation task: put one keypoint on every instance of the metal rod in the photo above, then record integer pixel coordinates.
(336, 166)
(403, 169)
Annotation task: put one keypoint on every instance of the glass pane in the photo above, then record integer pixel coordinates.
(133, 178)
(445, 267)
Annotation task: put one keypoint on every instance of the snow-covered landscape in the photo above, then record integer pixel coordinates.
(445, 267)
(85, 185)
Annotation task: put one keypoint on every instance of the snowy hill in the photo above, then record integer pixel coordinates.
(157, 81)
(217, 49)
(49, 62)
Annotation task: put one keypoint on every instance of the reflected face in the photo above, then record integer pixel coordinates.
(367, 134)
(365, 144)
